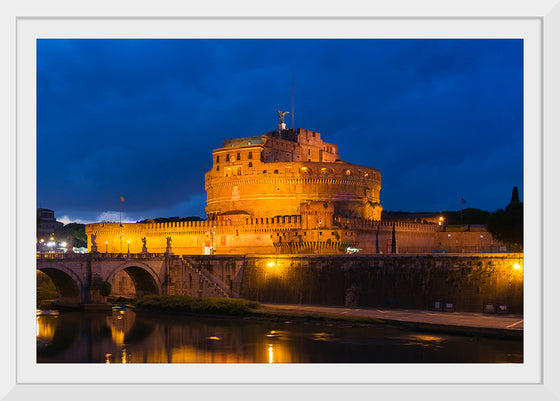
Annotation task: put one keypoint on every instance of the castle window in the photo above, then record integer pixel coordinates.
(275, 171)
(264, 171)
(309, 151)
(227, 158)
(238, 156)
(217, 168)
(348, 172)
(217, 159)
(250, 155)
(250, 164)
(314, 135)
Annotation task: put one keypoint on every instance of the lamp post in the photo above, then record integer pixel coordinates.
(128, 246)
(212, 233)
(106, 246)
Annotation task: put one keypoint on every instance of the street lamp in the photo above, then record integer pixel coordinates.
(106, 246)
(128, 246)
(212, 232)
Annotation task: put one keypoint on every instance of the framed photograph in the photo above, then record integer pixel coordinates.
(39, 41)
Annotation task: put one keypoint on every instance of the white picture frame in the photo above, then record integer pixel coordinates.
(16, 383)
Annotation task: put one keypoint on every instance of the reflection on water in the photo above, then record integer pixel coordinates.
(123, 336)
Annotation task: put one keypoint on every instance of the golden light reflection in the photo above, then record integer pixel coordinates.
(270, 353)
(108, 358)
(117, 335)
(46, 327)
(123, 357)
(516, 266)
(271, 264)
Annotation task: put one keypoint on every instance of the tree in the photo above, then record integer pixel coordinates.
(76, 231)
(507, 225)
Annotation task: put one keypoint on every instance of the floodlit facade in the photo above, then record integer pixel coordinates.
(284, 191)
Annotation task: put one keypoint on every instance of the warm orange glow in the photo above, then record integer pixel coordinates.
(516, 266)
(271, 264)
(270, 354)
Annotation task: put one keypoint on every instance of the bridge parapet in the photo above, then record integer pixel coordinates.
(101, 256)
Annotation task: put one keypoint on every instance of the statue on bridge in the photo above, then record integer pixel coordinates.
(93, 243)
(168, 249)
(144, 247)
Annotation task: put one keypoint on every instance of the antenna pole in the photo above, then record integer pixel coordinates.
(293, 100)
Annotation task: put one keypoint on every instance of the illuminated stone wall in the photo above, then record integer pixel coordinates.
(315, 231)
(387, 280)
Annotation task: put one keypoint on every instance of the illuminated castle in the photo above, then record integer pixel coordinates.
(284, 191)
(278, 173)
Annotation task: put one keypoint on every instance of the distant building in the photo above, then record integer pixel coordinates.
(47, 224)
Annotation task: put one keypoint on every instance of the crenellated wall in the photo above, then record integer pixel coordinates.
(315, 231)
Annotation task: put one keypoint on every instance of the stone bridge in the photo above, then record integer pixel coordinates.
(78, 276)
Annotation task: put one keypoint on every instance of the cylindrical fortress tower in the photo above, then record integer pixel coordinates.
(274, 173)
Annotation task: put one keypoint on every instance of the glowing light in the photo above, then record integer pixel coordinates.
(108, 358)
(63, 244)
(270, 264)
(516, 266)
(270, 354)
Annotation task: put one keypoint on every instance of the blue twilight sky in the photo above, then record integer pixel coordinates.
(441, 119)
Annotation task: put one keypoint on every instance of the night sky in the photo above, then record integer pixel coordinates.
(441, 119)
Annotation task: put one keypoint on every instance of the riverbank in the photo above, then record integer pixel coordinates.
(460, 323)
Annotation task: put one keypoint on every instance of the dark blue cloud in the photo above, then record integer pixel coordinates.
(440, 119)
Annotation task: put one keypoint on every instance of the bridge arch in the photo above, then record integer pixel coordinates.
(146, 281)
(67, 283)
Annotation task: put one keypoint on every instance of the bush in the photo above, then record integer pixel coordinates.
(207, 305)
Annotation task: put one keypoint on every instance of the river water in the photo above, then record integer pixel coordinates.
(124, 336)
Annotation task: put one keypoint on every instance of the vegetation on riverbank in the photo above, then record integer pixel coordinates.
(205, 305)
(233, 307)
